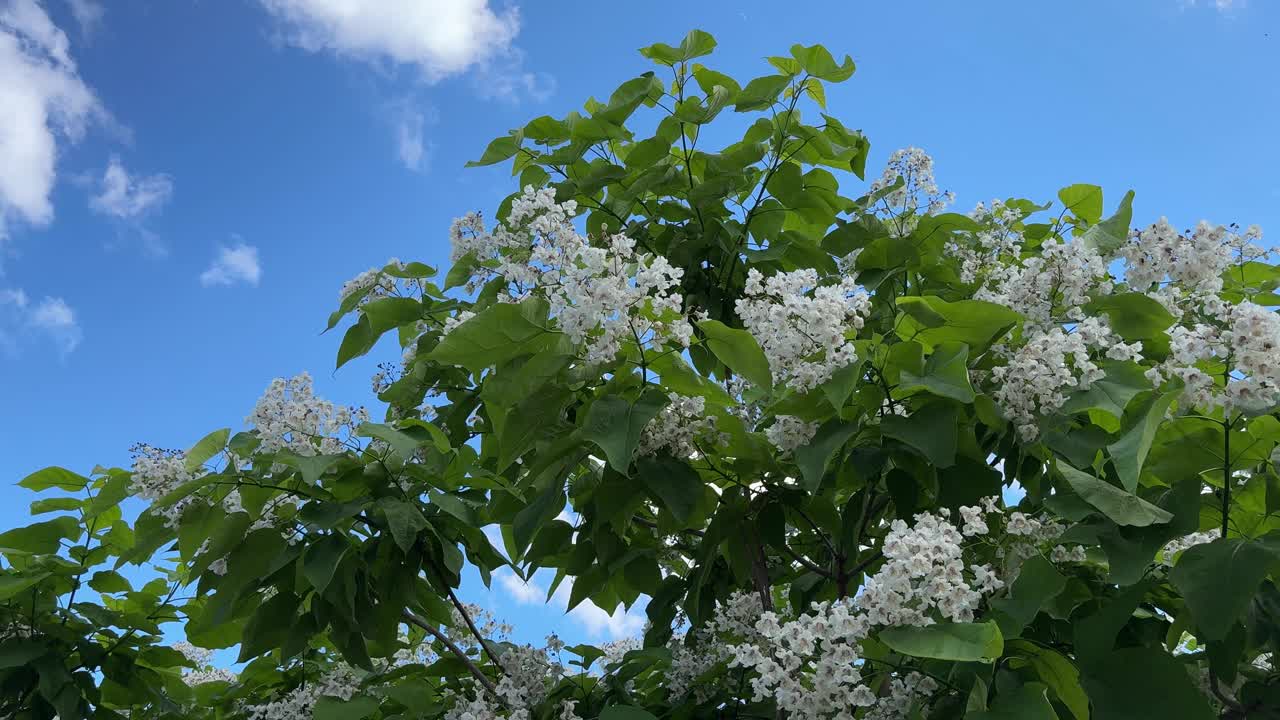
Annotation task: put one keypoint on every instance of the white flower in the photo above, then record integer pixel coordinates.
(678, 426)
(802, 326)
(788, 433)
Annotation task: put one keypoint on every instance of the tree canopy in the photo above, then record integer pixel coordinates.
(785, 417)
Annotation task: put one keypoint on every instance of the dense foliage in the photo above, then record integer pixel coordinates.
(786, 417)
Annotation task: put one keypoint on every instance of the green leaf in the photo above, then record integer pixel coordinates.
(1218, 580)
(1056, 671)
(615, 424)
(60, 504)
(1139, 430)
(18, 652)
(405, 521)
(1122, 507)
(357, 341)
(1026, 702)
(1084, 201)
(1038, 582)
(760, 93)
(1143, 682)
(678, 486)
(931, 429)
(109, 581)
(322, 558)
(946, 373)
(496, 335)
(499, 149)
(54, 477)
(817, 61)
(311, 466)
(1107, 236)
(402, 443)
(626, 712)
(931, 320)
(42, 537)
(1112, 393)
(738, 350)
(11, 585)
(357, 708)
(812, 459)
(960, 642)
(1133, 315)
(391, 312)
(209, 446)
(696, 44)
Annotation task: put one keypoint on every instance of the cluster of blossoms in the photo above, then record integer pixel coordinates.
(788, 433)
(1051, 363)
(528, 674)
(290, 416)
(1173, 265)
(381, 282)
(203, 660)
(156, 473)
(1179, 544)
(1051, 287)
(917, 194)
(341, 682)
(694, 654)
(600, 296)
(996, 244)
(801, 325)
(679, 427)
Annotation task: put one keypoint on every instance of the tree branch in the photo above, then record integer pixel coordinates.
(410, 617)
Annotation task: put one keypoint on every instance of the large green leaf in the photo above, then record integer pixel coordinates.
(677, 485)
(499, 149)
(696, 44)
(1084, 201)
(1218, 580)
(1122, 507)
(931, 429)
(1133, 315)
(1056, 671)
(1038, 582)
(1027, 702)
(209, 445)
(1143, 682)
(961, 642)
(11, 585)
(931, 320)
(946, 373)
(496, 335)
(1112, 393)
(1136, 435)
(322, 558)
(404, 520)
(614, 423)
(626, 712)
(332, 708)
(1108, 235)
(54, 477)
(812, 459)
(42, 537)
(739, 351)
(817, 61)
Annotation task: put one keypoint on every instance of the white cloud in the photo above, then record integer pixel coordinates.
(598, 623)
(442, 38)
(233, 265)
(88, 15)
(524, 593)
(129, 197)
(52, 317)
(409, 141)
(44, 100)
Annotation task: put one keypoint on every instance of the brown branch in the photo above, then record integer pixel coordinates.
(435, 632)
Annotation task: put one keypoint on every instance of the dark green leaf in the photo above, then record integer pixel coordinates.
(739, 351)
(1121, 507)
(615, 424)
(1143, 682)
(322, 558)
(1218, 580)
(54, 477)
(961, 642)
(812, 459)
(674, 483)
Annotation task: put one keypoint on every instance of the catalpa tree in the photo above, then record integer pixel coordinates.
(787, 420)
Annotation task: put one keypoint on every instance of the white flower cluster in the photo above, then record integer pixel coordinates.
(925, 573)
(788, 433)
(1051, 287)
(374, 283)
(997, 244)
(691, 656)
(528, 673)
(678, 428)
(919, 192)
(801, 325)
(1038, 376)
(454, 321)
(157, 473)
(1191, 263)
(290, 416)
(600, 296)
(203, 659)
(299, 703)
(1175, 546)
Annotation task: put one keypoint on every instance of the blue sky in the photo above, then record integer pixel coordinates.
(185, 185)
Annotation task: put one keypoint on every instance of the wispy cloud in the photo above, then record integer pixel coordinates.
(51, 318)
(130, 197)
(598, 623)
(88, 15)
(45, 103)
(235, 264)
